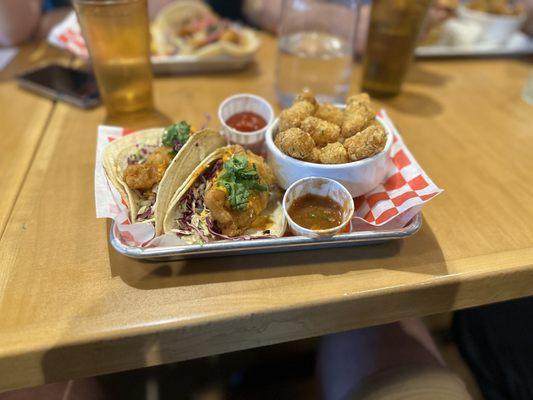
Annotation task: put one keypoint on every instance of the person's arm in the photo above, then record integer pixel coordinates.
(18, 20)
(154, 6)
(264, 14)
(528, 26)
(49, 20)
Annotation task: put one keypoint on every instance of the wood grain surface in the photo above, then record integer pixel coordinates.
(23, 119)
(71, 307)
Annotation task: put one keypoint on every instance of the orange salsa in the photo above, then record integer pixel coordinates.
(316, 212)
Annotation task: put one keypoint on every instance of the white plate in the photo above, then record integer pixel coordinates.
(67, 35)
(188, 64)
(518, 44)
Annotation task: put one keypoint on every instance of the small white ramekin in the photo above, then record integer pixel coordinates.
(321, 187)
(245, 102)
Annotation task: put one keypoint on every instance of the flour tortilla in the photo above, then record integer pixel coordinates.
(274, 208)
(115, 160)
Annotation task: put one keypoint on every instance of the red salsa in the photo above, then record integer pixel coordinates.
(246, 121)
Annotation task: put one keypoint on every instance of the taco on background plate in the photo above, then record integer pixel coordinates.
(232, 194)
(148, 166)
(189, 27)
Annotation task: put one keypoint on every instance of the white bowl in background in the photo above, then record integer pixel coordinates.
(322, 187)
(245, 102)
(359, 177)
(495, 29)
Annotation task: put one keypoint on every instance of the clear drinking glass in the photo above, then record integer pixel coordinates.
(527, 93)
(118, 38)
(315, 49)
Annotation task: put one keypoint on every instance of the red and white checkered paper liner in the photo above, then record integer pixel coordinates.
(67, 35)
(391, 205)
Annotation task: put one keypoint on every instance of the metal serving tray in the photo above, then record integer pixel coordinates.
(289, 243)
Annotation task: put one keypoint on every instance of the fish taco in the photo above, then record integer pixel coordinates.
(148, 166)
(191, 28)
(232, 194)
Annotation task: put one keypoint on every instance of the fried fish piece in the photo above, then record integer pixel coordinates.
(140, 177)
(333, 153)
(366, 143)
(293, 116)
(328, 112)
(322, 132)
(295, 143)
(235, 222)
(358, 115)
(144, 176)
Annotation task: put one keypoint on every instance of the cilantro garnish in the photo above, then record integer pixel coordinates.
(175, 136)
(239, 179)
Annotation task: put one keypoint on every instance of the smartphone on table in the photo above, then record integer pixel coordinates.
(58, 82)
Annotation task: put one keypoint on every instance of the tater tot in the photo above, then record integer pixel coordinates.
(330, 113)
(295, 143)
(366, 143)
(355, 123)
(322, 132)
(357, 100)
(308, 96)
(315, 156)
(333, 153)
(375, 122)
(293, 116)
(357, 116)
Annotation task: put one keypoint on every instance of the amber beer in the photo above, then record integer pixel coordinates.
(394, 29)
(118, 38)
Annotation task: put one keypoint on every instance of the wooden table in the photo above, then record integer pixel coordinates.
(24, 118)
(71, 307)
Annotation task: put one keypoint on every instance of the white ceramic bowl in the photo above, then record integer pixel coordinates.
(322, 187)
(495, 29)
(359, 177)
(244, 102)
